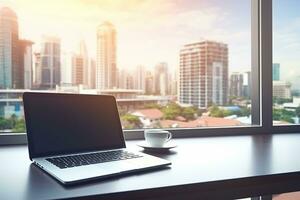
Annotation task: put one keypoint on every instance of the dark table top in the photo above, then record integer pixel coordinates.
(213, 167)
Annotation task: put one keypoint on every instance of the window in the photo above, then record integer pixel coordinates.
(184, 65)
(170, 65)
(286, 47)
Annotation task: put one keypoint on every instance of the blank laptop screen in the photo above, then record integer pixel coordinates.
(69, 123)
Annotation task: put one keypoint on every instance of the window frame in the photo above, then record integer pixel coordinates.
(261, 90)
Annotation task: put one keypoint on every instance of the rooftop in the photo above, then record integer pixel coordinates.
(201, 122)
(152, 113)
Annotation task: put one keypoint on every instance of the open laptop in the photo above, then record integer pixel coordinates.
(76, 137)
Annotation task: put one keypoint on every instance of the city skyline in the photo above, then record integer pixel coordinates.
(50, 54)
(286, 27)
(168, 28)
(106, 60)
(203, 81)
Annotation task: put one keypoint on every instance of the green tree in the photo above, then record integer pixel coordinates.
(189, 113)
(215, 111)
(287, 118)
(281, 100)
(171, 111)
(276, 114)
(131, 121)
(227, 112)
(245, 111)
(19, 126)
(283, 115)
(5, 123)
(13, 119)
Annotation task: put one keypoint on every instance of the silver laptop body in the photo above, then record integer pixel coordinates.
(69, 126)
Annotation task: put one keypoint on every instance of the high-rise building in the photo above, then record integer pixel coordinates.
(66, 68)
(126, 79)
(149, 84)
(161, 79)
(9, 44)
(247, 84)
(129, 81)
(236, 84)
(37, 78)
(276, 72)
(78, 69)
(122, 78)
(173, 79)
(282, 90)
(86, 67)
(50, 62)
(140, 78)
(106, 68)
(203, 74)
(92, 74)
(15, 55)
(25, 64)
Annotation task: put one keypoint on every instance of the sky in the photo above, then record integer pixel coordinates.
(148, 31)
(286, 39)
(152, 31)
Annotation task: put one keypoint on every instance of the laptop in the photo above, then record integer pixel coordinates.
(75, 137)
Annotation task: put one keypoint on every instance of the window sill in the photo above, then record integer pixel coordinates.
(21, 138)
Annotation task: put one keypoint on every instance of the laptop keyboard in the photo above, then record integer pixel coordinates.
(91, 158)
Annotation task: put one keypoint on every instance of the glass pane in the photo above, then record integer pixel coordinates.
(170, 64)
(286, 73)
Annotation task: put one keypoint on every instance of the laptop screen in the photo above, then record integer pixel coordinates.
(70, 123)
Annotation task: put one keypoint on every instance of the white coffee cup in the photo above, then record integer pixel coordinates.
(157, 137)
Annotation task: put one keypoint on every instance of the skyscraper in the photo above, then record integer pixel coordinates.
(85, 59)
(126, 79)
(203, 74)
(106, 68)
(161, 78)
(149, 85)
(173, 81)
(122, 76)
(92, 74)
(9, 55)
(37, 80)
(247, 84)
(78, 69)
(25, 64)
(129, 81)
(276, 72)
(140, 78)
(66, 68)
(236, 84)
(50, 62)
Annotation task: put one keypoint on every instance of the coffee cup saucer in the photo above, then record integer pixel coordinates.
(167, 146)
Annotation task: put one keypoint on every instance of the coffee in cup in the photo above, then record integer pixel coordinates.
(157, 137)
